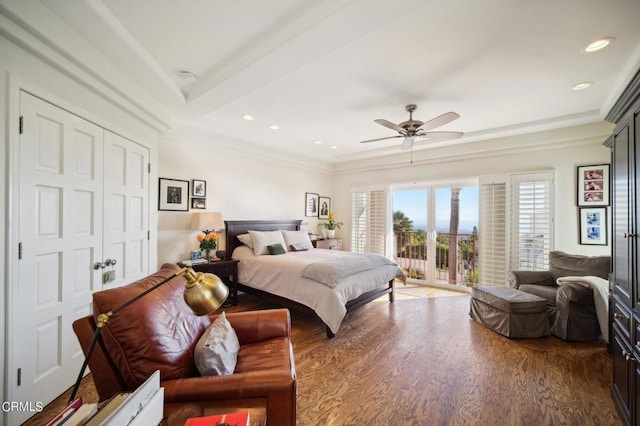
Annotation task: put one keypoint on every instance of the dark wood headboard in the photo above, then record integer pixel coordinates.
(236, 227)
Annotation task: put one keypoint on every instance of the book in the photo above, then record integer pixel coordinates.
(240, 418)
(66, 412)
(194, 262)
(136, 401)
(124, 408)
(109, 408)
(82, 414)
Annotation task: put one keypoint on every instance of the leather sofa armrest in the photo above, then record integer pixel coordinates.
(516, 278)
(256, 326)
(574, 293)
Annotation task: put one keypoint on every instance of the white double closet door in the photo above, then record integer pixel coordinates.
(83, 197)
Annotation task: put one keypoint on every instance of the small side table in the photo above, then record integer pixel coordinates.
(227, 270)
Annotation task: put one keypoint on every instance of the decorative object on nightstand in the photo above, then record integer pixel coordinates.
(331, 225)
(208, 223)
(227, 270)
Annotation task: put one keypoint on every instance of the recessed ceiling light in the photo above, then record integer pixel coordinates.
(186, 76)
(599, 44)
(317, 142)
(582, 86)
(274, 127)
(334, 147)
(247, 117)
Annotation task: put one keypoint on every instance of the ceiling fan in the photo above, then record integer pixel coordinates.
(412, 129)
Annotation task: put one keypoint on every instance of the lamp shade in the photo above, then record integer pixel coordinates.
(207, 221)
(204, 293)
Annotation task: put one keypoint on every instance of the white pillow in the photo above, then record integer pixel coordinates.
(242, 252)
(261, 241)
(297, 237)
(216, 353)
(245, 239)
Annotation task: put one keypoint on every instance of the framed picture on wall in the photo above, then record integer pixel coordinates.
(593, 185)
(173, 195)
(593, 226)
(324, 206)
(198, 203)
(311, 204)
(199, 188)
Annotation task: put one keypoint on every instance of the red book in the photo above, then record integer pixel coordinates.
(228, 419)
(66, 412)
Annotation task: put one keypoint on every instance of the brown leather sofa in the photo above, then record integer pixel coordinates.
(159, 332)
(571, 307)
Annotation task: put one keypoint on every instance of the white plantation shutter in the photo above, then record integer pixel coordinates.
(532, 231)
(369, 221)
(492, 231)
(358, 221)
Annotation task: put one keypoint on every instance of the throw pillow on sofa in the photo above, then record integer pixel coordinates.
(216, 353)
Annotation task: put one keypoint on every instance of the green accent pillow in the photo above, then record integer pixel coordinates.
(276, 249)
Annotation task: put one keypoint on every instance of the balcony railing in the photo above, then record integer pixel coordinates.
(456, 267)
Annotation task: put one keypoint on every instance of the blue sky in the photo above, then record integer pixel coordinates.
(413, 203)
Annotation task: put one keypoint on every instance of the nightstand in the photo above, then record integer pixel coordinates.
(328, 243)
(227, 270)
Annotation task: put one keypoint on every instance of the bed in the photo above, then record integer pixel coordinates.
(277, 278)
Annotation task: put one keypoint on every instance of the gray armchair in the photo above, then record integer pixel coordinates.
(572, 313)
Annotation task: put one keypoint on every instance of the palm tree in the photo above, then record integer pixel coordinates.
(401, 223)
(454, 221)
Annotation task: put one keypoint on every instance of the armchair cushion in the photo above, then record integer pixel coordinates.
(169, 327)
(563, 265)
(216, 353)
(516, 278)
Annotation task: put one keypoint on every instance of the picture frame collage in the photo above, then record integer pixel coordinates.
(316, 205)
(593, 197)
(174, 195)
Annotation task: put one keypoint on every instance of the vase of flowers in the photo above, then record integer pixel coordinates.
(331, 225)
(208, 241)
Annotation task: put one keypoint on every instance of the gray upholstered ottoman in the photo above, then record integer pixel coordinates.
(510, 312)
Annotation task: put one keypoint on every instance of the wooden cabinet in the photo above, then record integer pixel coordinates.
(329, 244)
(624, 285)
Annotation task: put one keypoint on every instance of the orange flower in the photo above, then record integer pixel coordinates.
(200, 237)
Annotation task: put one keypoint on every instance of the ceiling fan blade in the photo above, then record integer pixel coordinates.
(381, 139)
(390, 125)
(440, 136)
(440, 120)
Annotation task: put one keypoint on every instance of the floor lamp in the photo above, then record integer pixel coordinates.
(203, 293)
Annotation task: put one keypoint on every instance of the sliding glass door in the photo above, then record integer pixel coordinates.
(435, 233)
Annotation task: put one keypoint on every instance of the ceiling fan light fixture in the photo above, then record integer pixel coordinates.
(599, 44)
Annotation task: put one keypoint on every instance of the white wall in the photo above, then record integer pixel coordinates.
(21, 69)
(242, 185)
(560, 150)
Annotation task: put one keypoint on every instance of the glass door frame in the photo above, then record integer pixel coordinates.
(430, 187)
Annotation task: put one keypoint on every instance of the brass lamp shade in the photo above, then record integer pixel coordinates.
(204, 293)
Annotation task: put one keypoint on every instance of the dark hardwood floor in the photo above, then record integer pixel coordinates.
(423, 361)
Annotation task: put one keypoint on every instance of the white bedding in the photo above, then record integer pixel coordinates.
(281, 275)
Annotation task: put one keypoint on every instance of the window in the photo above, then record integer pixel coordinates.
(368, 221)
(492, 257)
(516, 224)
(532, 231)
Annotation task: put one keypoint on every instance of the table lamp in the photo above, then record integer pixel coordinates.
(207, 222)
(203, 293)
